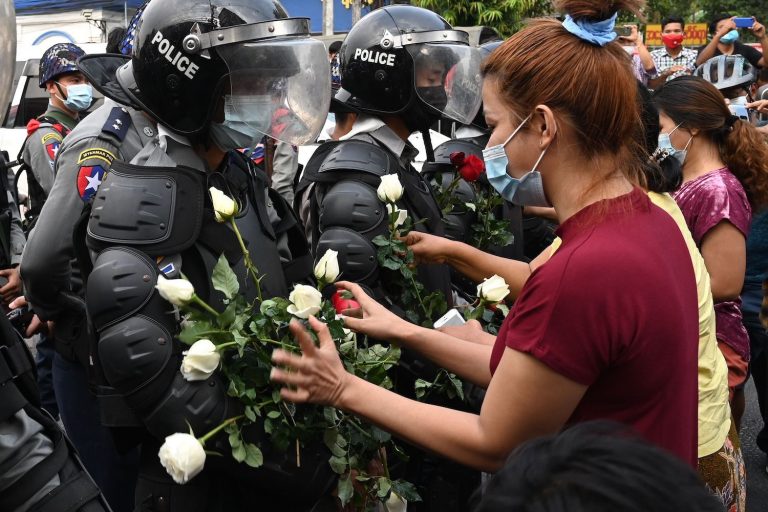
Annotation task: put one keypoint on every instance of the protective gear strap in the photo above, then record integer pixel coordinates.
(26, 486)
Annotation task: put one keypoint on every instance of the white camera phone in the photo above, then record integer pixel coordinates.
(452, 317)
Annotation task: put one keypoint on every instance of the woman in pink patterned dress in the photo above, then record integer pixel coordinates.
(725, 176)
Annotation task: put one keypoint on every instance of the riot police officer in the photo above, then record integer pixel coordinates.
(212, 78)
(402, 68)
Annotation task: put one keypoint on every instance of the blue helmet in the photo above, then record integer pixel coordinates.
(126, 45)
(59, 59)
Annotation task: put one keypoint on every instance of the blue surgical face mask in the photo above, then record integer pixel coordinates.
(525, 191)
(234, 132)
(79, 96)
(730, 38)
(665, 143)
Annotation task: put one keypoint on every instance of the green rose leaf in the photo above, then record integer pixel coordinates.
(253, 456)
(385, 485)
(345, 490)
(224, 279)
(405, 490)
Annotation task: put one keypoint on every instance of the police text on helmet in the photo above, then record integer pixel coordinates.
(383, 58)
(175, 57)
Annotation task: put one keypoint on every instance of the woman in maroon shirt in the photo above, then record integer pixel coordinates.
(608, 327)
(725, 175)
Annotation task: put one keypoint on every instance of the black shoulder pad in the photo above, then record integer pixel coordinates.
(118, 123)
(157, 209)
(359, 156)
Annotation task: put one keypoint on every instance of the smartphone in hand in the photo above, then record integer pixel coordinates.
(743, 22)
(452, 317)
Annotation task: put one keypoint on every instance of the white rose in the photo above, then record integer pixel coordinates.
(176, 291)
(200, 360)
(390, 190)
(182, 456)
(401, 214)
(396, 504)
(327, 269)
(223, 206)
(305, 300)
(493, 289)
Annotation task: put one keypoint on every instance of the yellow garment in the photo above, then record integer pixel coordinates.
(714, 412)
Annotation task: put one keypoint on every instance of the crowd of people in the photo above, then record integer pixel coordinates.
(635, 185)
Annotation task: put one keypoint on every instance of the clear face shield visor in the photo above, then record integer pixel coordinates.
(447, 78)
(278, 86)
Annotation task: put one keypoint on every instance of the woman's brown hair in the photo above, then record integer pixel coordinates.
(694, 103)
(592, 88)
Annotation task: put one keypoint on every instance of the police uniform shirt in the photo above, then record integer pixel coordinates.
(111, 132)
(42, 146)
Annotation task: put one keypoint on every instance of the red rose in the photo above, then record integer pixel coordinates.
(457, 158)
(471, 168)
(341, 304)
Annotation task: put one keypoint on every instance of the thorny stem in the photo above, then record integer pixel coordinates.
(252, 270)
(200, 302)
(418, 296)
(226, 345)
(219, 428)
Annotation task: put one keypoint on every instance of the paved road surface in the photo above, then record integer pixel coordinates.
(757, 478)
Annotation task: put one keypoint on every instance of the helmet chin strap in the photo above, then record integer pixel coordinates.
(428, 144)
(58, 86)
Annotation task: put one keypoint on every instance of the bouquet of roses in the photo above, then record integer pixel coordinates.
(239, 341)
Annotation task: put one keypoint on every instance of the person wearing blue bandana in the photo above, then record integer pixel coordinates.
(725, 41)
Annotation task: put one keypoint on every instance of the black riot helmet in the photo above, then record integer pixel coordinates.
(408, 61)
(241, 62)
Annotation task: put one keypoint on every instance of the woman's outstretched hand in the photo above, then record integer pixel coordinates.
(317, 375)
(371, 318)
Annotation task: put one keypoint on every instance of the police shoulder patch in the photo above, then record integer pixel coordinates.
(52, 148)
(89, 178)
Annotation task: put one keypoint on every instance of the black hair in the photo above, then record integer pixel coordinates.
(717, 18)
(661, 174)
(334, 47)
(672, 18)
(762, 75)
(595, 467)
(114, 39)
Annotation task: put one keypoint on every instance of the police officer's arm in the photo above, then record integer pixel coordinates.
(40, 154)
(12, 288)
(285, 165)
(18, 238)
(45, 264)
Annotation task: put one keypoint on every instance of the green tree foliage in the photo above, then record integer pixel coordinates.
(701, 11)
(506, 16)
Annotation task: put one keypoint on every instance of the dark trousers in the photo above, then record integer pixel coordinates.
(113, 472)
(44, 363)
(758, 367)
